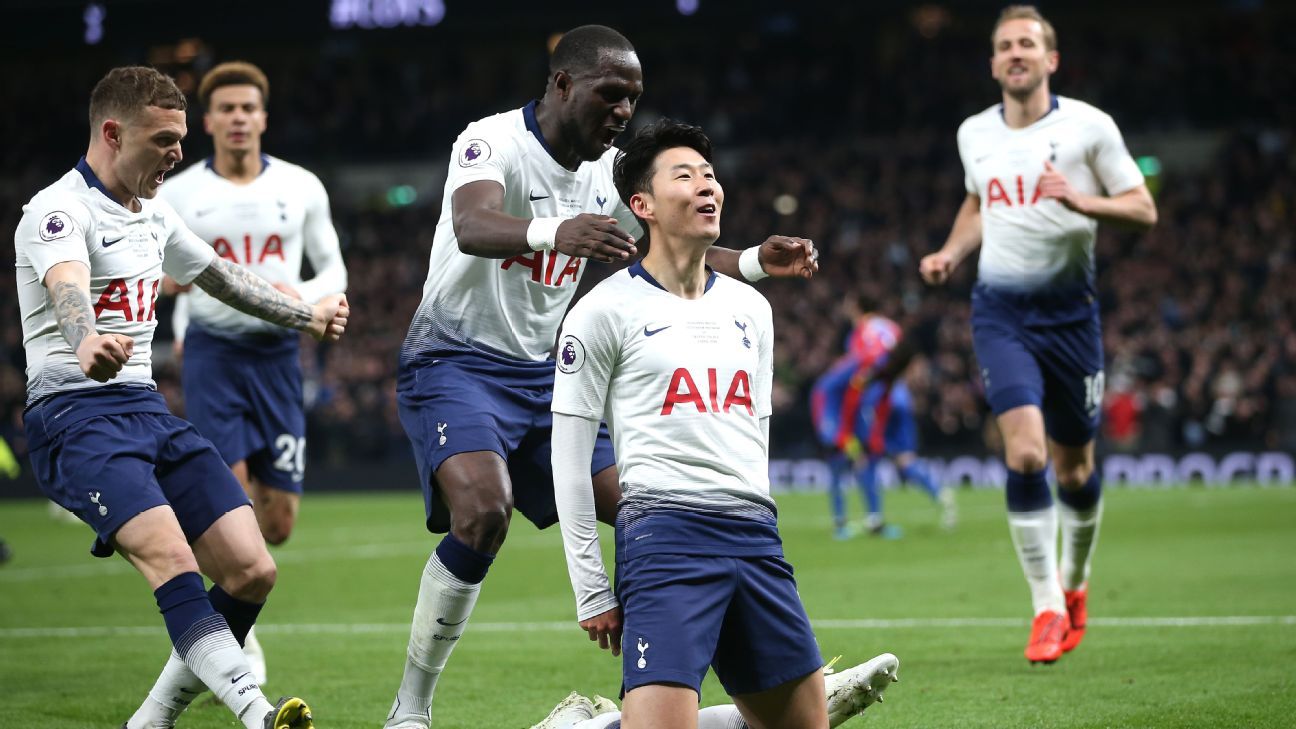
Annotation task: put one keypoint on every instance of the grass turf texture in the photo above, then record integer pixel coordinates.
(336, 626)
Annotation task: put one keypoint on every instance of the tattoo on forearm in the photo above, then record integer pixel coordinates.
(237, 287)
(73, 311)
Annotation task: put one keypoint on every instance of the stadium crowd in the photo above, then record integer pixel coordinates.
(852, 146)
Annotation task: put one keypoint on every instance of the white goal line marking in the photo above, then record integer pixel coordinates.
(561, 626)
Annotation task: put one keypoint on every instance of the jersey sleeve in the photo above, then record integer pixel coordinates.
(186, 255)
(764, 384)
(587, 354)
(482, 152)
(1111, 160)
(321, 245)
(53, 230)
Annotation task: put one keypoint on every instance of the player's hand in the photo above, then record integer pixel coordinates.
(287, 290)
(606, 629)
(935, 268)
(329, 318)
(786, 256)
(1053, 185)
(177, 350)
(102, 356)
(594, 236)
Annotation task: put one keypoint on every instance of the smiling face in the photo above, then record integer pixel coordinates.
(684, 199)
(597, 104)
(1021, 60)
(236, 118)
(148, 148)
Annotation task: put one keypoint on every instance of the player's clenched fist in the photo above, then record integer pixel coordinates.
(606, 629)
(329, 318)
(936, 268)
(782, 255)
(594, 236)
(102, 356)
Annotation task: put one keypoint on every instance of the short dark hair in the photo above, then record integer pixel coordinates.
(867, 302)
(234, 73)
(633, 170)
(124, 92)
(582, 48)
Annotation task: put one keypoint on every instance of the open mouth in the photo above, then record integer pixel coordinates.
(611, 133)
(709, 210)
(159, 175)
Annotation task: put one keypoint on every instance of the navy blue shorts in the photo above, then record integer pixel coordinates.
(246, 396)
(1057, 367)
(741, 616)
(108, 454)
(468, 403)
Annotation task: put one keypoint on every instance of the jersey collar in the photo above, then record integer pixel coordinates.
(1053, 105)
(533, 126)
(637, 269)
(210, 162)
(92, 180)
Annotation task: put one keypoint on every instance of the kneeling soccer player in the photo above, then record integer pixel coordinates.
(678, 360)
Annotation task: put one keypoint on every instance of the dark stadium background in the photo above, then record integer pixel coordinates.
(835, 121)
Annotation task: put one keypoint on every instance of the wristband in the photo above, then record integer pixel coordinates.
(749, 264)
(542, 232)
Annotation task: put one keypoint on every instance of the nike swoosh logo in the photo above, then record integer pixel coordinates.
(535, 197)
(241, 675)
(982, 158)
(200, 213)
(184, 690)
(105, 242)
(451, 625)
(649, 332)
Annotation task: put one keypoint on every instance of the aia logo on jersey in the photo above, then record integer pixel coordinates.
(542, 265)
(571, 355)
(997, 193)
(117, 297)
(683, 390)
(475, 151)
(272, 247)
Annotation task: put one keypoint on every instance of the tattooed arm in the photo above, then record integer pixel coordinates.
(101, 355)
(239, 288)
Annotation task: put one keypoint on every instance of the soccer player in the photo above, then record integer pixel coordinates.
(1041, 171)
(863, 413)
(91, 250)
(242, 377)
(679, 361)
(529, 197)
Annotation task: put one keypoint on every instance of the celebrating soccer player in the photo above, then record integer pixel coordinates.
(91, 251)
(529, 198)
(242, 378)
(1041, 171)
(679, 360)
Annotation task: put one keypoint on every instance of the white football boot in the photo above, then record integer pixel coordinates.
(853, 690)
(571, 710)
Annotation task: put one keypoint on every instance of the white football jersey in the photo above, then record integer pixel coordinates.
(509, 306)
(682, 384)
(264, 226)
(1028, 242)
(75, 219)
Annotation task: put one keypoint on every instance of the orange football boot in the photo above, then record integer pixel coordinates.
(1048, 632)
(1077, 611)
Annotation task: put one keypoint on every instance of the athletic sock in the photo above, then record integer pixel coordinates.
(838, 467)
(725, 716)
(868, 484)
(447, 592)
(202, 638)
(177, 686)
(1081, 514)
(610, 720)
(1032, 521)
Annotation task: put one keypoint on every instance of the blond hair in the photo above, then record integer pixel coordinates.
(1026, 12)
(124, 92)
(233, 73)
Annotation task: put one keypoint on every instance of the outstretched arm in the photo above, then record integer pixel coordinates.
(779, 255)
(242, 290)
(483, 229)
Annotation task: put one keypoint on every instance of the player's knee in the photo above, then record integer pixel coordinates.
(485, 528)
(1073, 476)
(277, 529)
(1027, 457)
(254, 581)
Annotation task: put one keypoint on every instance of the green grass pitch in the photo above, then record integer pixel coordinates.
(81, 641)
